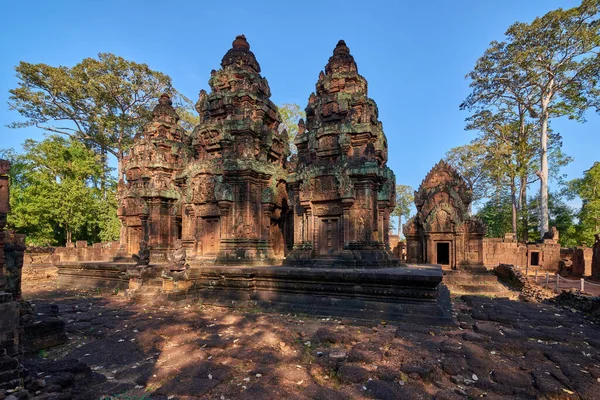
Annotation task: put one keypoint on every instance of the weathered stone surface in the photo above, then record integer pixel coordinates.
(353, 374)
(11, 263)
(149, 199)
(596, 257)
(442, 232)
(228, 191)
(343, 190)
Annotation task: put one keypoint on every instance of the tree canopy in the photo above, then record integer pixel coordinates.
(53, 199)
(103, 102)
(588, 190)
(291, 114)
(405, 197)
(544, 69)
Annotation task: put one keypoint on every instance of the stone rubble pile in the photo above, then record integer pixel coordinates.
(529, 291)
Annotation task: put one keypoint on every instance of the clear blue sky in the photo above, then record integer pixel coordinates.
(413, 54)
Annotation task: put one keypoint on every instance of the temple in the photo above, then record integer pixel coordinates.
(227, 215)
(234, 199)
(150, 201)
(228, 191)
(342, 189)
(442, 232)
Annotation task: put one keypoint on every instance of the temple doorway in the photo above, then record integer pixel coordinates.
(329, 237)
(442, 253)
(210, 239)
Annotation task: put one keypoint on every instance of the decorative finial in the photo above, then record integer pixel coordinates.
(241, 42)
(165, 100)
(301, 127)
(341, 48)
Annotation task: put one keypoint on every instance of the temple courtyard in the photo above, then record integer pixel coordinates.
(498, 348)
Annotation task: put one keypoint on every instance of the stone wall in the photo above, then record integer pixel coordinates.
(82, 252)
(508, 251)
(10, 371)
(503, 251)
(596, 258)
(78, 251)
(397, 247)
(582, 261)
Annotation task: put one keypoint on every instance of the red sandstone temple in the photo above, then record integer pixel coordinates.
(228, 191)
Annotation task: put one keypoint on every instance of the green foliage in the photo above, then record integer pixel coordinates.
(405, 197)
(588, 189)
(290, 115)
(102, 102)
(52, 199)
(468, 160)
(496, 214)
(562, 216)
(545, 69)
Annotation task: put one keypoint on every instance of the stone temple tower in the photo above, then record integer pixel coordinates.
(342, 189)
(149, 207)
(235, 201)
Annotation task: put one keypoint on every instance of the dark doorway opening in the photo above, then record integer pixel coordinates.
(443, 253)
(535, 258)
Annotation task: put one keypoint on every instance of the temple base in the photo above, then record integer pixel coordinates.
(406, 294)
(363, 255)
(245, 252)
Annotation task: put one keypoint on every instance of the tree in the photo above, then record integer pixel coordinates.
(405, 197)
(52, 196)
(102, 102)
(588, 190)
(562, 216)
(468, 161)
(548, 68)
(496, 214)
(290, 115)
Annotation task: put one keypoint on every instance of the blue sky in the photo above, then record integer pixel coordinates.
(413, 54)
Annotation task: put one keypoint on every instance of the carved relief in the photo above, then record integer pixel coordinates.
(203, 189)
(324, 188)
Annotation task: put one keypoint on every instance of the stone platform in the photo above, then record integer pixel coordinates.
(475, 280)
(403, 294)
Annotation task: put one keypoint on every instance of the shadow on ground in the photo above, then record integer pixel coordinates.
(499, 349)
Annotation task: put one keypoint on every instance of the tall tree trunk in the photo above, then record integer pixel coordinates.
(103, 178)
(69, 236)
(544, 219)
(523, 208)
(513, 197)
(399, 225)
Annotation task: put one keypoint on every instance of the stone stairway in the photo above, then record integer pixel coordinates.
(475, 280)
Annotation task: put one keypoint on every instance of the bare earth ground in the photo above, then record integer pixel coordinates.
(499, 349)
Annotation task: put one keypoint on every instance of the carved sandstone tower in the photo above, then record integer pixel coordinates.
(149, 206)
(343, 190)
(235, 197)
(442, 232)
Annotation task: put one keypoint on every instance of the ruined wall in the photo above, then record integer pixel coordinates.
(82, 252)
(582, 261)
(78, 251)
(9, 306)
(549, 254)
(501, 251)
(508, 251)
(596, 258)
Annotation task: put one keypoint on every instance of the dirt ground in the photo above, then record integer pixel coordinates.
(499, 349)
